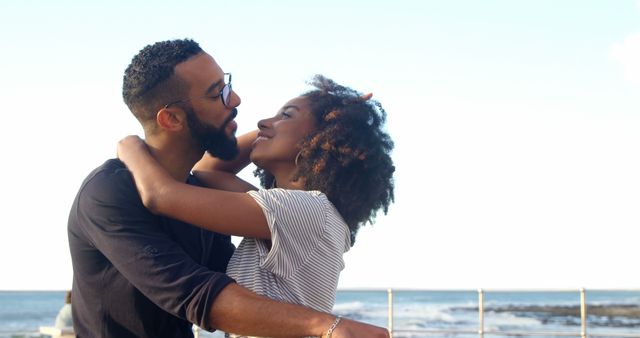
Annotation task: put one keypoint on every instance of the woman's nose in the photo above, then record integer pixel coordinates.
(263, 124)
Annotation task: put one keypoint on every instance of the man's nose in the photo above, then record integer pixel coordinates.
(235, 99)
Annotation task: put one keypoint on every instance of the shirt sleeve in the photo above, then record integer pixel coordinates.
(297, 220)
(133, 240)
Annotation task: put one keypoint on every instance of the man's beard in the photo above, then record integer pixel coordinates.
(211, 139)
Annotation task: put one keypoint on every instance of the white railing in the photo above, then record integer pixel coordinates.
(481, 331)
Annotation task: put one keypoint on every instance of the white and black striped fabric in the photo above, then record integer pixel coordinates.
(308, 239)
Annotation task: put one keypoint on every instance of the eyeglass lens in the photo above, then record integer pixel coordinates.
(226, 90)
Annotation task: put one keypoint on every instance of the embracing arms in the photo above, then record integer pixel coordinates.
(226, 212)
(112, 218)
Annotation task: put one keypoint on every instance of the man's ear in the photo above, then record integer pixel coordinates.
(171, 119)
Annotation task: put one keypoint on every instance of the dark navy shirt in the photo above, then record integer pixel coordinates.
(136, 274)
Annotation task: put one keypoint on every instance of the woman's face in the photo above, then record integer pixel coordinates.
(276, 146)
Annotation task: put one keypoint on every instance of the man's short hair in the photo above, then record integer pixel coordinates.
(148, 82)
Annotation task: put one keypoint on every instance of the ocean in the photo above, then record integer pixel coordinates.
(433, 312)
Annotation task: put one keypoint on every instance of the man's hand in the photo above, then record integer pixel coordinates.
(352, 329)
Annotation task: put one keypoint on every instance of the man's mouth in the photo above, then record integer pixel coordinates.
(229, 123)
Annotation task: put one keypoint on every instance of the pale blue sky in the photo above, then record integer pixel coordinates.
(517, 125)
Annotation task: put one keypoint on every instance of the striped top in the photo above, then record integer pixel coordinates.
(304, 260)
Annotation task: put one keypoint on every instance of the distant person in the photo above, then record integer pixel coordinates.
(325, 160)
(137, 274)
(64, 319)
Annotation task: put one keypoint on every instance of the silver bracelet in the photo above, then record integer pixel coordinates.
(333, 326)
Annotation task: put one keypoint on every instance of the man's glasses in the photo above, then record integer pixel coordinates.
(224, 94)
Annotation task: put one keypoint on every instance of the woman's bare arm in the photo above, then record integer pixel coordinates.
(232, 213)
(219, 174)
(208, 162)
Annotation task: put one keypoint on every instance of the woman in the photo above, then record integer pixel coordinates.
(325, 161)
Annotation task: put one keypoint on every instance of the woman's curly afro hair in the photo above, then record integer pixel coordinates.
(348, 156)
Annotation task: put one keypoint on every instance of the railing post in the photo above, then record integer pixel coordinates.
(481, 313)
(583, 313)
(390, 324)
(196, 331)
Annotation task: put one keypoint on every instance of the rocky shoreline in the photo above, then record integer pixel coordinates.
(621, 315)
(620, 310)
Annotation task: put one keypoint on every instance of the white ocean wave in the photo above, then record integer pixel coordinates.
(348, 306)
(426, 313)
(508, 320)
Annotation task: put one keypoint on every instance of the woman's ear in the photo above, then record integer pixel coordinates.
(171, 119)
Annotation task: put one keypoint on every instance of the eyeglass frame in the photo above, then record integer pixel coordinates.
(225, 102)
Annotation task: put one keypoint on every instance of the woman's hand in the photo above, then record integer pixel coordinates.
(147, 173)
(129, 146)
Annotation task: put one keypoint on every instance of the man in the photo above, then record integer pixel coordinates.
(139, 275)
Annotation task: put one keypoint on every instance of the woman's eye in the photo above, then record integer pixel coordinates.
(285, 115)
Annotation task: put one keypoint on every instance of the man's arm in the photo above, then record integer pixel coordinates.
(241, 311)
